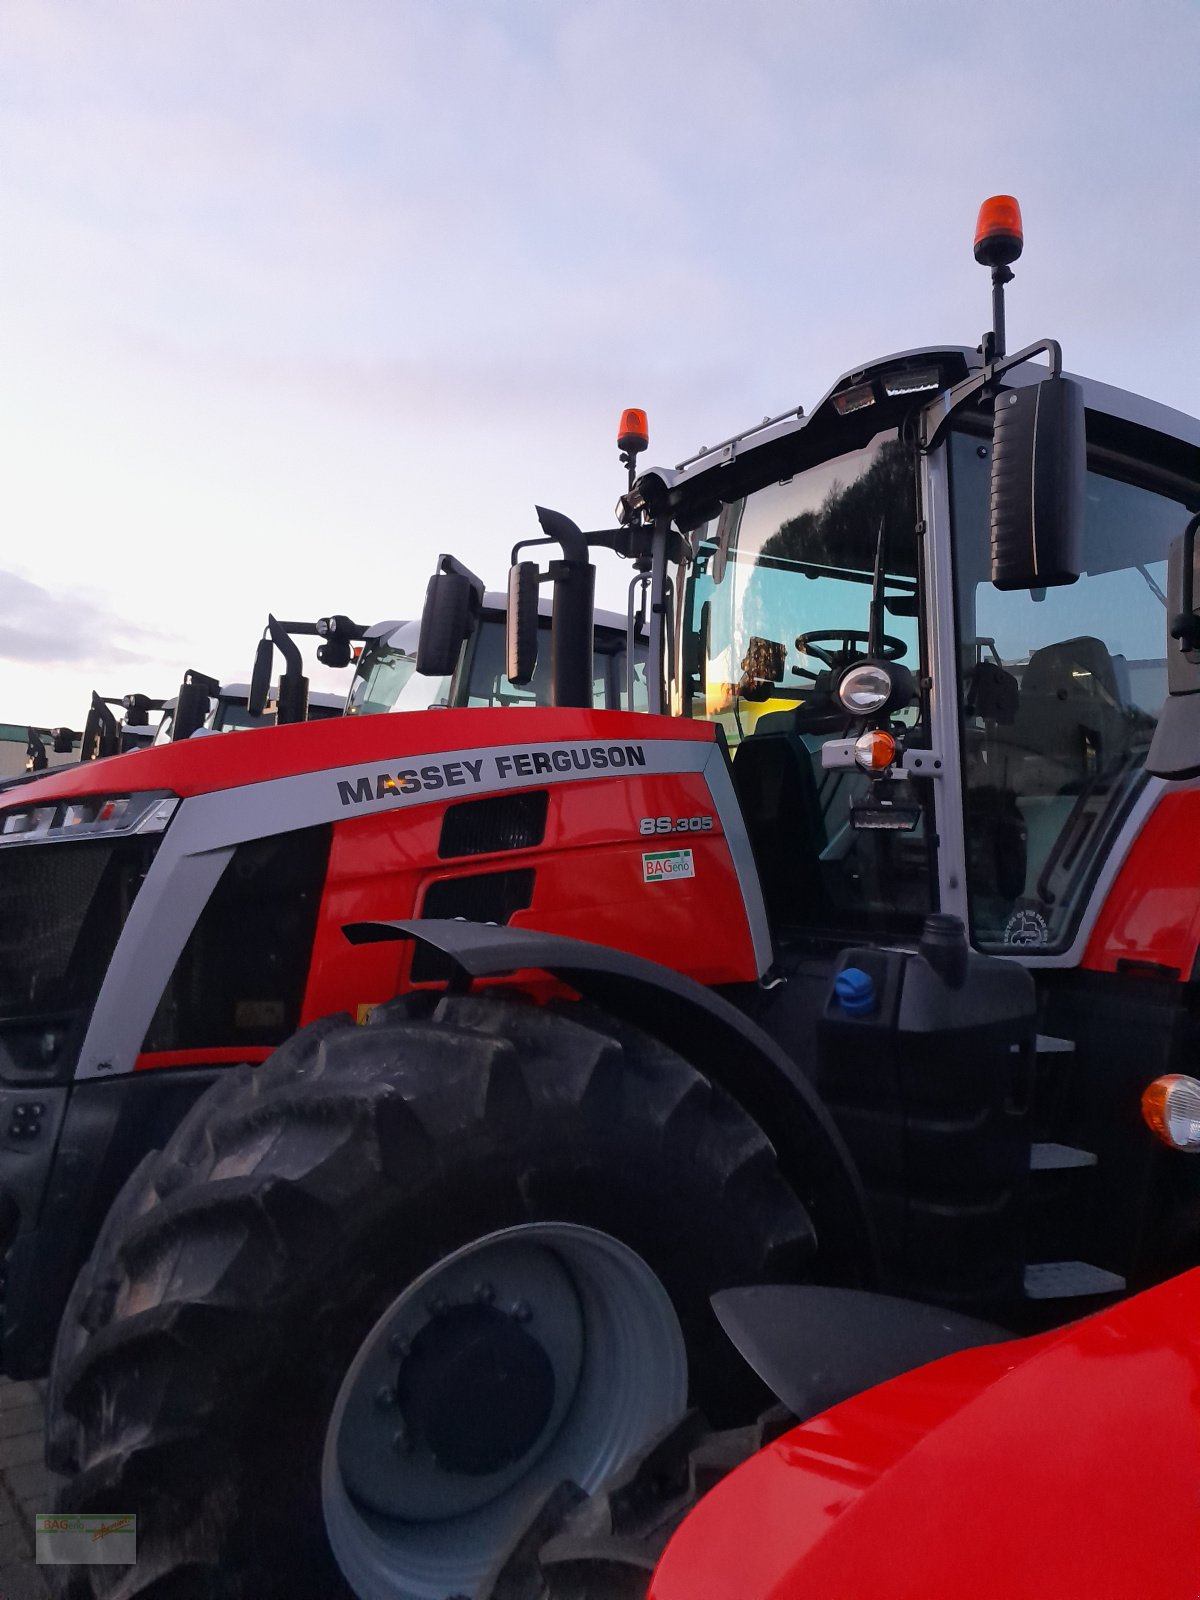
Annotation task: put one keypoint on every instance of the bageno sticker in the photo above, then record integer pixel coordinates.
(659, 866)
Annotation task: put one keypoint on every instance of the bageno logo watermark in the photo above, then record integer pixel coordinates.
(103, 1541)
(661, 866)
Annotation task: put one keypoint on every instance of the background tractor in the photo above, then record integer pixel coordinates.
(851, 959)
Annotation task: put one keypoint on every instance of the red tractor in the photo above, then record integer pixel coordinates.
(430, 1072)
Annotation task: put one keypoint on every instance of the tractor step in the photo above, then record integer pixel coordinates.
(1052, 1157)
(1048, 1045)
(1068, 1280)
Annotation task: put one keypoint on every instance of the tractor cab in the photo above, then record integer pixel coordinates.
(908, 733)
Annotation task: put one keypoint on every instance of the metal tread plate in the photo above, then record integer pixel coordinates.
(1065, 1280)
(1051, 1157)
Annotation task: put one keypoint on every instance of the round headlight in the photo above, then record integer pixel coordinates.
(865, 689)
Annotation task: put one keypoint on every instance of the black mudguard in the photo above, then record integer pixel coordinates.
(814, 1347)
(706, 1030)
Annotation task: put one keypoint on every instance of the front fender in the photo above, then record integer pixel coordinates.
(717, 1038)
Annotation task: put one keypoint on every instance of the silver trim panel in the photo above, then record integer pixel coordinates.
(943, 694)
(207, 828)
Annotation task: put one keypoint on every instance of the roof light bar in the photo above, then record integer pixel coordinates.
(917, 380)
(852, 400)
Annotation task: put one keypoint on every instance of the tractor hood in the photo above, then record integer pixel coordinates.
(1066, 1465)
(207, 764)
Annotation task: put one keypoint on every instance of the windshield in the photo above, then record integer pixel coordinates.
(788, 569)
(488, 684)
(1060, 692)
(233, 713)
(386, 677)
(777, 599)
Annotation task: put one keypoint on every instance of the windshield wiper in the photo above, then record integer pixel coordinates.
(1151, 585)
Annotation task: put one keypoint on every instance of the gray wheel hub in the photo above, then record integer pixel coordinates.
(537, 1354)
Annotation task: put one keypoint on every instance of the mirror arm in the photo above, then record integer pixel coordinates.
(938, 414)
(1186, 626)
(281, 637)
(292, 703)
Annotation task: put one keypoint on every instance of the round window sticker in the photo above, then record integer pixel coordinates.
(1026, 928)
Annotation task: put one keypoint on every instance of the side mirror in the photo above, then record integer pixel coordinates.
(521, 623)
(1175, 748)
(260, 677)
(101, 736)
(1039, 470)
(192, 706)
(453, 598)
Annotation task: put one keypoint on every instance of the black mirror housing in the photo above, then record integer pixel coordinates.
(521, 623)
(191, 708)
(453, 600)
(1039, 470)
(260, 677)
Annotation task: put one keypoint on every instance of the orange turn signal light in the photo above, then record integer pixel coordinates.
(875, 751)
(1171, 1110)
(999, 236)
(634, 432)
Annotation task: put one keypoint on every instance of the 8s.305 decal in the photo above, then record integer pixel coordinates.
(675, 825)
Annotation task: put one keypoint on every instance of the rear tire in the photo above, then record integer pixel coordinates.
(245, 1271)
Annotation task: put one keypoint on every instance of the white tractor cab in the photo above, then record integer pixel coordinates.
(225, 708)
(387, 676)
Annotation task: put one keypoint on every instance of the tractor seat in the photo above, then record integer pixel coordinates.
(1071, 719)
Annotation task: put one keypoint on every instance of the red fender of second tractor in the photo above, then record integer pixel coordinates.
(1062, 1467)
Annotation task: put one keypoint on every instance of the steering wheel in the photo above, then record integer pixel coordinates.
(809, 644)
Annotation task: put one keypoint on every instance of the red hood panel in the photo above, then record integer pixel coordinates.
(1065, 1467)
(224, 761)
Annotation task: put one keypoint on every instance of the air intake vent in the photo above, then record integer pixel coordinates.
(504, 822)
(485, 897)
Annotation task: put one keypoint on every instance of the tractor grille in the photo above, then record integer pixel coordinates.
(485, 897)
(504, 822)
(62, 908)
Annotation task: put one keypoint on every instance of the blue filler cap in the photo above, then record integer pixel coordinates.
(855, 990)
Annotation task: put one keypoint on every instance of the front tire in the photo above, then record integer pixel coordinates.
(316, 1222)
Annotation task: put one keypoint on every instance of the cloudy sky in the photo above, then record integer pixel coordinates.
(295, 294)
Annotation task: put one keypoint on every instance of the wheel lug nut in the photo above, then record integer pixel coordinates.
(438, 1306)
(521, 1311)
(401, 1442)
(398, 1347)
(385, 1398)
(484, 1294)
